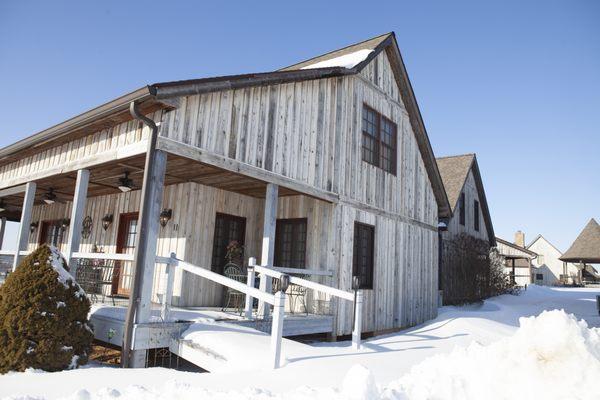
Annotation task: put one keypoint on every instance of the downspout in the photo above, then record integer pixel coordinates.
(139, 256)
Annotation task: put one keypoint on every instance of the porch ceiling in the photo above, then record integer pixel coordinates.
(104, 180)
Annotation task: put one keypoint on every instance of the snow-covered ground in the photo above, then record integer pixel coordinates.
(470, 352)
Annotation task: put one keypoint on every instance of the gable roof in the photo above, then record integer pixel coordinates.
(586, 247)
(454, 171)
(540, 236)
(161, 95)
(526, 252)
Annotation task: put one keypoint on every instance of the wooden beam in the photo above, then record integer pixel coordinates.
(83, 163)
(23, 232)
(12, 191)
(268, 243)
(207, 157)
(79, 199)
(2, 229)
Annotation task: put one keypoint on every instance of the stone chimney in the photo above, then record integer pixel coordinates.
(520, 239)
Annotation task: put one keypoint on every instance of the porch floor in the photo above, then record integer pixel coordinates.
(108, 322)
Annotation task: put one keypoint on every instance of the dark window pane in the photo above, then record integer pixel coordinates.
(363, 256)
(228, 228)
(476, 215)
(462, 208)
(290, 243)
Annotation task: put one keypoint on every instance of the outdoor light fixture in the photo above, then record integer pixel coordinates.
(64, 223)
(106, 221)
(33, 226)
(50, 197)
(125, 184)
(165, 216)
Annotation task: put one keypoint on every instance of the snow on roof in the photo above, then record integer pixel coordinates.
(346, 61)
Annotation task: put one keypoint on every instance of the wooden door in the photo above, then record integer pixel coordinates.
(126, 239)
(228, 228)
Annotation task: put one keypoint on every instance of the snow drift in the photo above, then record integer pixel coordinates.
(552, 356)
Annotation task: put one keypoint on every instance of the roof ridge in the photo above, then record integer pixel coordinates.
(457, 155)
(335, 50)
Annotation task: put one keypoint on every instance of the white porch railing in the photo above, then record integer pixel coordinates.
(277, 300)
(356, 297)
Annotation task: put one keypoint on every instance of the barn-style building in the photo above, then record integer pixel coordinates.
(324, 166)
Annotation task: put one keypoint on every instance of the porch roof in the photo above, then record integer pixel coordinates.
(104, 180)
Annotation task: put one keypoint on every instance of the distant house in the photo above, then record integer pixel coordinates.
(470, 216)
(548, 269)
(518, 259)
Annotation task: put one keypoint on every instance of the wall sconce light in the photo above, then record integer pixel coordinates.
(50, 197)
(165, 216)
(33, 226)
(106, 221)
(125, 184)
(64, 223)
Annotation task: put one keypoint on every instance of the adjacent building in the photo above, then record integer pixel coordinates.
(548, 269)
(470, 217)
(518, 259)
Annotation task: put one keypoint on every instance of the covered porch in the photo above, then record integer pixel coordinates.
(92, 211)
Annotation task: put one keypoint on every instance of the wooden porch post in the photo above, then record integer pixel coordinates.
(23, 233)
(79, 199)
(2, 229)
(268, 244)
(145, 252)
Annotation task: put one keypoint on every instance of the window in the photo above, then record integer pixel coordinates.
(539, 277)
(228, 228)
(51, 233)
(363, 257)
(476, 215)
(290, 243)
(461, 205)
(378, 140)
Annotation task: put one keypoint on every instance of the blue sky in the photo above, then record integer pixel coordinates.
(517, 82)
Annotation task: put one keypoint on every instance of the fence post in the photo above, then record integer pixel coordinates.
(277, 327)
(357, 329)
(250, 283)
(166, 306)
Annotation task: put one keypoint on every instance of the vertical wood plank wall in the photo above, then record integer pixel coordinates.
(311, 131)
(454, 226)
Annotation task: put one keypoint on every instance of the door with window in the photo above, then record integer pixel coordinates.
(228, 229)
(126, 237)
(290, 243)
(51, 233)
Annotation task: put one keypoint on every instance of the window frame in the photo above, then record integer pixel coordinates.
(279, 249)
(380, 144)
(462, 209)
(476, 216)
(370, 267)
(215, 258)
(46, 226)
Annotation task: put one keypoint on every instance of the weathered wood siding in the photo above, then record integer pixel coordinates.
(70, 155)
(454, 226)
(189, 233)
(312, 132)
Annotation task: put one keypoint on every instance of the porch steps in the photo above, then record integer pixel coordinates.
(225, 347)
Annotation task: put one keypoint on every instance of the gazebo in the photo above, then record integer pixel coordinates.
(585, 249)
